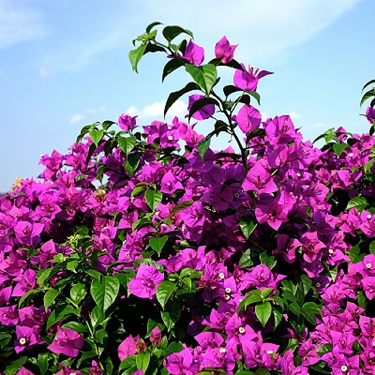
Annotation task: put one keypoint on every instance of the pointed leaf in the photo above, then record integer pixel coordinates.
(152, 25)
(136, 55)
(143, 360)
(96, 136)
(105, 292)
(153, 198)
(127, 144)
(200, 103)
(164, 291)
(171, 32)
(171, 66)
(203, 146)
(181, 206)
(49, 298)
(339, 148)
(248, 224)
(263, 312)
(205, 76)
(173, 96)
(157, 243)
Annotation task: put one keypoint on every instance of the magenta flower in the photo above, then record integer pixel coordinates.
(26, 282)
(65, 370)
(127, 122)
(66, 342)
(248, 79)
(128, 347)
(146, 281)
(370, 114)
(193, 53)
(260, 180)
(28, 233)
(224, 51)
(24, 371)
(205, 112)
(25, 338)
(248, 118)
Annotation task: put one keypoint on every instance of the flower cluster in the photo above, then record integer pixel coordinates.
(131, 256)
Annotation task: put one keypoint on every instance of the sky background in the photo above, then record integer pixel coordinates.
(64, 64)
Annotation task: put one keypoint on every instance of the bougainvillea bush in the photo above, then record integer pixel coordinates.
(143, 251)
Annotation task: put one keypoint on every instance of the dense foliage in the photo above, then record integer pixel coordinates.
(143, 251)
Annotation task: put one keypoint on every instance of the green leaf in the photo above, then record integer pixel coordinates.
(173, 96)
(143, 361)
(203, 146)
(372, 247)
(246, 259)
(49, 298)
(101, 336)
(326, 348)
(153, 198)
(305, 284)
(277, 318)
(42, 362)
(59, 313)
(253, 297)
(127, 144)
(44, 275)
(136, 55)
(78, 293)
(129, 363)
(171, 316)
(368, 84)
(339, 148)
(105, 292)
(132, 163)
(157, 243)
(263, 312)
(268, 260)
(152, 25)
(181, 206)
(171, 32)
(205, 76)
(15, 366)
(367, 95)
(361, 300)
(97, 316)
(200, 104)
(171, 66)
(164, 291)
(96, 136)
(248, 224)
(360, 202)
(310, 310)
(355, 254)
(75, 326)
(295, 308)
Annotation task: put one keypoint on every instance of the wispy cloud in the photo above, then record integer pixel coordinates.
(19, 23)
(79, 117)
(75, 56)
(265, 29)
(155, 111)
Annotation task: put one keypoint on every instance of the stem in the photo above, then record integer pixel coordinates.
(232, 131)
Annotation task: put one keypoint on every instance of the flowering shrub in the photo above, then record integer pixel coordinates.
(143, 251)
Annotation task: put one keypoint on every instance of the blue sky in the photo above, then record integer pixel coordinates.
(64, 64)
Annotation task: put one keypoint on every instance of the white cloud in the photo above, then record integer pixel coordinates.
(294, 115)
(155, 111)
(79, 117)
(19, 23)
